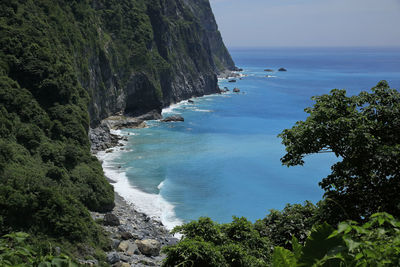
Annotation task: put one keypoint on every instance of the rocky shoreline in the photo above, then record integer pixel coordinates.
(136, 238)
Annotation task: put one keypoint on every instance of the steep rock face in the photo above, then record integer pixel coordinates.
(151, 54)
(201, 9)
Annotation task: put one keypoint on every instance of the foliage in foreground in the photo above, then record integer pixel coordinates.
(363, 132)
(294, 220)
(15, 251)
(206, 243)
(375, 243)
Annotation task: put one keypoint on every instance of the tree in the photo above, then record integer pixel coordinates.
(294, 220)
(363, 131)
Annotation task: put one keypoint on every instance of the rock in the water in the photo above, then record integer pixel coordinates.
(232, 81)
(236, 90)
(112, 257)
(190, 101)
(149, 247)
(282, 69)
(111, 220)
(173, 118)
(269, 70)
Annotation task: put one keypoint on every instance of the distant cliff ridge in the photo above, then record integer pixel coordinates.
(152, 54)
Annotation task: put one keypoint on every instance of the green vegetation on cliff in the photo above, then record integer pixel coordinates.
(65, 65)
(48, 177)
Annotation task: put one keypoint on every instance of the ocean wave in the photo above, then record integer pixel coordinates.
(172, 108)
(153, 205)
(202, 110)
(160, 185)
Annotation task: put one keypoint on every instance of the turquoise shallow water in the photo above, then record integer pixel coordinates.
(224, 159)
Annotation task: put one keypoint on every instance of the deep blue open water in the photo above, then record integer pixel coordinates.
(224, 159)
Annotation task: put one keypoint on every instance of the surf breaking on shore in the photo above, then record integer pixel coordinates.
(153, 205)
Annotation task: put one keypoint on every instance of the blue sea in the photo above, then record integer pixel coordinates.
(224, 159)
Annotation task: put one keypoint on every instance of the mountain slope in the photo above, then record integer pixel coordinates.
(64, 66)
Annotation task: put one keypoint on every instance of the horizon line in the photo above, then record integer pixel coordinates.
(311, 46)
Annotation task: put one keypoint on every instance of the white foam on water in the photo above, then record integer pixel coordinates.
(117, 132)
(202, 110)
(153, 205)
(172, 108)
(160, 185)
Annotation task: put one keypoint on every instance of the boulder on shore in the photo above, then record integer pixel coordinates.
(236, 90)
(173, 118)
(113, 257)
(149, 247)
(111, 220)
(282, 69)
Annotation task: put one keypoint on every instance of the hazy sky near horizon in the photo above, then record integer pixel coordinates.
(308, 22)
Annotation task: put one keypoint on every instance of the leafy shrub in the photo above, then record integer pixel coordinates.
(206, 243)
(294, 220)
(375, 243)
(15, 251)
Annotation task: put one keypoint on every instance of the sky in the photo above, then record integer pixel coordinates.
(272, 23)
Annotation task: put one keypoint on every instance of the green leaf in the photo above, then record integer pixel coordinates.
(283, 258)
(343, 226)
(296, 247)
(319, 243)
(44, 264)
(351, 244)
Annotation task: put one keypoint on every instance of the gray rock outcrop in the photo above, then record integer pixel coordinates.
(173, 118)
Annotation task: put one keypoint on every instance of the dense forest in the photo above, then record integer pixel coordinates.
(65, 65)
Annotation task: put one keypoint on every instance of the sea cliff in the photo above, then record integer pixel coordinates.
(152, 54)
(64, 67)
